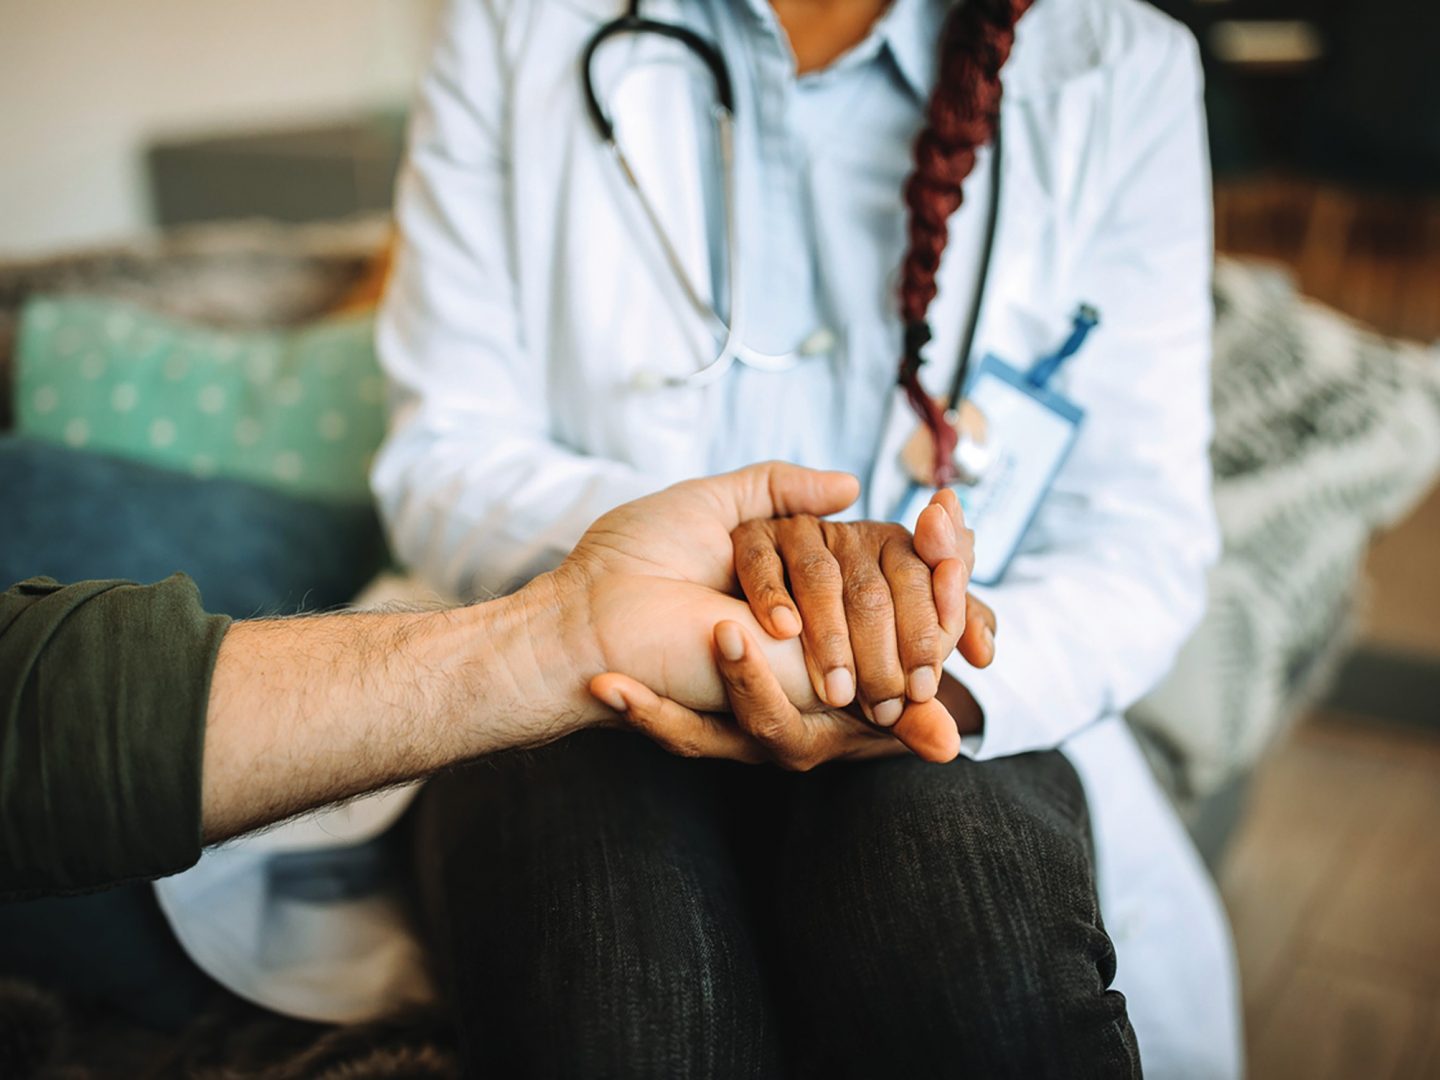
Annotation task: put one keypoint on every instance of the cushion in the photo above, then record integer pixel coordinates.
(235, 275)
(299, 410)
(75, 515)
(1325, 432)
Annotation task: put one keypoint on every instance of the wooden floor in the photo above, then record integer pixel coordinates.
(1376, 258)
(1333, 882)
(1333, 887)
(1402, 609)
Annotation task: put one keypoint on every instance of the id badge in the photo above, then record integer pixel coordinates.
(1034, 429)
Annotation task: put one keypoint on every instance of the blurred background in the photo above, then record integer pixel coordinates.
(193, 233)
(110, 108)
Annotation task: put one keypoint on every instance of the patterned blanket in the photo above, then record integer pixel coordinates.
(1325, 432)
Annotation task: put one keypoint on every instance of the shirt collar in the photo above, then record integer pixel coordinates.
(909, 30)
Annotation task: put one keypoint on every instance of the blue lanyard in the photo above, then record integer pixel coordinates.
(1044, 369)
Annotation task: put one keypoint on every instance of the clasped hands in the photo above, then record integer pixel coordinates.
(836, 650)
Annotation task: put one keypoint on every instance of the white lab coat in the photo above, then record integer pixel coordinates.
(529, 293)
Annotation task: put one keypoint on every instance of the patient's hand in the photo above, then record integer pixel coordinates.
(878, 611)
(765, 725)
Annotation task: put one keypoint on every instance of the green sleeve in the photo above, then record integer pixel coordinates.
(103, 692)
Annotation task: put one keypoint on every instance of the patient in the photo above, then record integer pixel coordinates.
(124, 752)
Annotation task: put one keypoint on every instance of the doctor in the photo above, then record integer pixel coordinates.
(567, 330)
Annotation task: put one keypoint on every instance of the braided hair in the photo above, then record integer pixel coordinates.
(961, 117)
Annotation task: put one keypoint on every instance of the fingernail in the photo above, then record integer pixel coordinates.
(785, 621)
(922, 684)
(839, 687)
(989, 637)
(615, 700)
(732, 644)
(887, 712)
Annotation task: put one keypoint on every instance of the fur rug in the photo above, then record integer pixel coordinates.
(45, 1038)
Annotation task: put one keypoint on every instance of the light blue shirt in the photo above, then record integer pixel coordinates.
(821, 160)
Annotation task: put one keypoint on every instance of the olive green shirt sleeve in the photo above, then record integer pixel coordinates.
(103, 691)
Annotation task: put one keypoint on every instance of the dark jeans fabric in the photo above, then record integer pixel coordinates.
(599, 908)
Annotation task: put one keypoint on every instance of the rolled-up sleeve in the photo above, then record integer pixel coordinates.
(104, 687)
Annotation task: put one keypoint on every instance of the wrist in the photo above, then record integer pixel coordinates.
(541, 638)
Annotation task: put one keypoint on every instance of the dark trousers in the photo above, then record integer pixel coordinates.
(600, 908)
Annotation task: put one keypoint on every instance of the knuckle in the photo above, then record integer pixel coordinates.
(687, 748)
(795, 527)
(867, 596)
(773, 732)
(743, 681)
(749, 532)
(905, 562)
(756, 560)
(924, 642)
(832, 644)
(916, 589)
(893, 533)
(818, 567)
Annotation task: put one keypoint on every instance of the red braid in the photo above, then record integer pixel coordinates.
(960, 118)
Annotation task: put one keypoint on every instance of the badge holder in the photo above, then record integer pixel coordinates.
(1014, 435)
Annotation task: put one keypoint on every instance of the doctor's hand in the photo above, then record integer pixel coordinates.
(878, 611)
(646, 586)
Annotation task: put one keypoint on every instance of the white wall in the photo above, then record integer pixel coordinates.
(84, 84)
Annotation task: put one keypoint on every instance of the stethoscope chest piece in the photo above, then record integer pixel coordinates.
(975, 447)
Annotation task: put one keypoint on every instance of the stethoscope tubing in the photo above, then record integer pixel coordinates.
(730, 332)
(733, 349)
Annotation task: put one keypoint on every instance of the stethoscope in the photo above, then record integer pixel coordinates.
(733, 349)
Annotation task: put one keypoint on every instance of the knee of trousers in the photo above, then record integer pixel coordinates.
(591, 920)
(969, 906)
(637, 973)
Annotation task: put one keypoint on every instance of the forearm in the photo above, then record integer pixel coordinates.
(307, 711)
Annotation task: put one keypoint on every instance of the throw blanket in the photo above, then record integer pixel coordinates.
(1325, 432)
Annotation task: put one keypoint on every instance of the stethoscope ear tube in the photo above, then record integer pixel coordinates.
(632, 22)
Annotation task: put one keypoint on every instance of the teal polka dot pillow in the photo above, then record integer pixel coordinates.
(300, 410)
